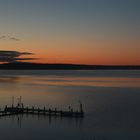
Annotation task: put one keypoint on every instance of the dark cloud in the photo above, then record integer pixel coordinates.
(3, 37)
(14, 56)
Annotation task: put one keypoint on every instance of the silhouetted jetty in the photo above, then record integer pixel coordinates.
(20, 109)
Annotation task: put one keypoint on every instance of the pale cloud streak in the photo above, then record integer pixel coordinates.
(11, 38)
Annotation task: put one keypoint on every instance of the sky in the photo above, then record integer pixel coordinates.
(98, 32)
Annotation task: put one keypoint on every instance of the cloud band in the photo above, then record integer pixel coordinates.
(14, 56)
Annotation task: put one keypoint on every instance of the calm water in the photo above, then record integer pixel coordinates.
(111, 101)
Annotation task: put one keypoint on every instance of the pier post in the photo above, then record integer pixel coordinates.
(38, 110)
(5, 110)
(33, 110)
(55, 111)
(50, 111)
(27, 109)
(61, 113)
(81, 108)
(44, 111)
(12, 101)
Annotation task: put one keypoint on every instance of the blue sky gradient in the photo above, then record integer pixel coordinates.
(70, 20)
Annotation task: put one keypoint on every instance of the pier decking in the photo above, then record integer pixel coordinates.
(20, 109)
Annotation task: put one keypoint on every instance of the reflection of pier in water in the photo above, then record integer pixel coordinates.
(50, 121)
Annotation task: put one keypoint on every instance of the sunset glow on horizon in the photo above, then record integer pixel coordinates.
(93, 32)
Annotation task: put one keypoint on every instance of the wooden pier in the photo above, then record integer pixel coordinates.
(20, 109)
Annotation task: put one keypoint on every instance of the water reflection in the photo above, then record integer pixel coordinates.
(50, 120)
(42, 127)
(9, 79)
(110, 99)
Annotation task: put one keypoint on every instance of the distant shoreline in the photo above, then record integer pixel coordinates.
(38, 66)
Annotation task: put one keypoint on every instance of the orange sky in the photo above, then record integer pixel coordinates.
(82, 51)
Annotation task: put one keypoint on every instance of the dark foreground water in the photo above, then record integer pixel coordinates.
(111, 102)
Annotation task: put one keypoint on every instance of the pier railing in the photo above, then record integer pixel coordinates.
(38, 111)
